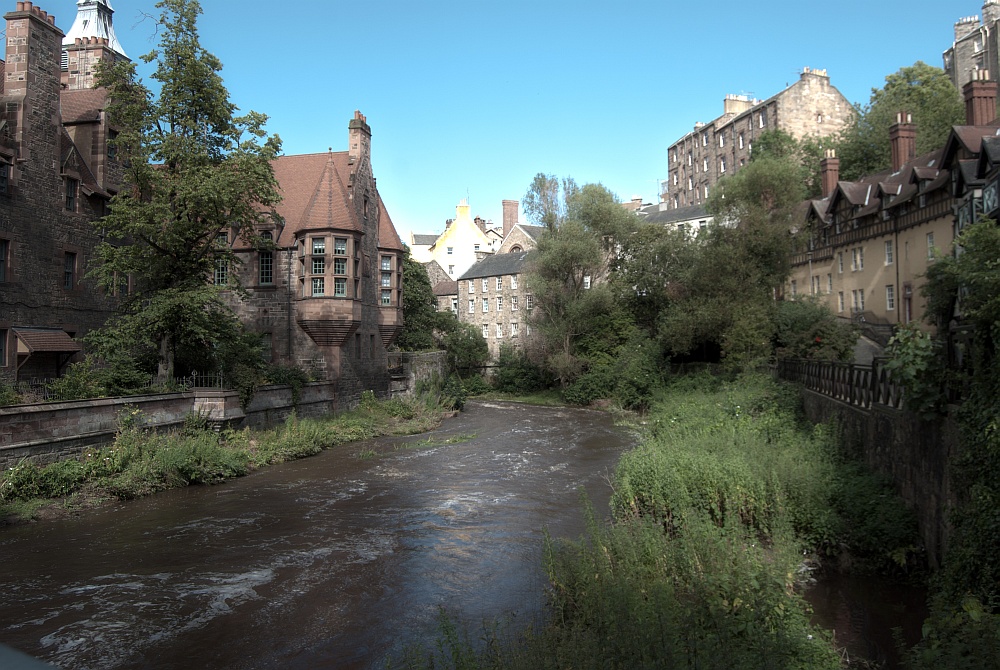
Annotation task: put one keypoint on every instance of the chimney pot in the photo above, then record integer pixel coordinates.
(980, 99)
(903, 138)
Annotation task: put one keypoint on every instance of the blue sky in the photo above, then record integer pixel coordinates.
(472, 99)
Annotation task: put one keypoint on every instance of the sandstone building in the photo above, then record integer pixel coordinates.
(812, 106)
(869, 243)
(976, 46)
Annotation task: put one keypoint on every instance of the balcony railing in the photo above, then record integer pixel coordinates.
(863, 386)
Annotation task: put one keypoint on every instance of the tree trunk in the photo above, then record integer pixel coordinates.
(165, 369)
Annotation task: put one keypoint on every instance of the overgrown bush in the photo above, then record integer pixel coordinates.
(516, 374)
(806, 328)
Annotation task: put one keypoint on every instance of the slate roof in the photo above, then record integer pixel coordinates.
(39, 340)
(67, 149)
(446, 288)
(653, 214)
(427, 240)
(82, 105)
(496, 265)
(534, 232)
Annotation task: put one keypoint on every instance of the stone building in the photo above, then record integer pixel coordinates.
(57, 173)
(327, 298)
(464, 241)
(689, 220)
(869, 243)
(976, 46)
(492, 296)
(812, 106)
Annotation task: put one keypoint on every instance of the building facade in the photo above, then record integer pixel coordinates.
(57, 173)
(492, 296)
(868, 244)
(462, 243)
(812, 106)
(976, 46)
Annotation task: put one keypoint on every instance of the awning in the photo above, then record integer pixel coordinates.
(40, 340)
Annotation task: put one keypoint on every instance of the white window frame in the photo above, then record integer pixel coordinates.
(486, 304)
(888, 252)
(890, 298)
(472, 305)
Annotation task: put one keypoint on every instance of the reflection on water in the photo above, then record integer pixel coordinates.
(328, 562)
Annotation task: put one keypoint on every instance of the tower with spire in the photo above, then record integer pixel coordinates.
(91, 40)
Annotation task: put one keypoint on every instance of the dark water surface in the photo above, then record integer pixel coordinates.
(329, 562)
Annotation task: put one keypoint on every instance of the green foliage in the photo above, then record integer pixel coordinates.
(91, 378)
(547, 200)
(193, 172)
(923, 90)
(807, 153)
(8, 396)
(965, 636)
(467, 350)
(516, 373)
(454, 394)
(420, 315)
(916, 362)
(807, 328)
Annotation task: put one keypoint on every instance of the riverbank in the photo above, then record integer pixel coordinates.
(141, 462)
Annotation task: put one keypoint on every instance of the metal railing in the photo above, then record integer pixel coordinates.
(864, 386)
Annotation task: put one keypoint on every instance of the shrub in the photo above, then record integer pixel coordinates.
(515, 373)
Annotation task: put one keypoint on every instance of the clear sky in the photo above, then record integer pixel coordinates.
(470, 99)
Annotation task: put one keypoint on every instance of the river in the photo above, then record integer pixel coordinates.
(334, 561)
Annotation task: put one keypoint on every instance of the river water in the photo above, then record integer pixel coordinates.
(334, 561)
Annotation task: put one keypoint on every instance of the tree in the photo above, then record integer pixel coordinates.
(197, 177)
(807, 152)
(420, 314)
(924, 91)
(546, 201)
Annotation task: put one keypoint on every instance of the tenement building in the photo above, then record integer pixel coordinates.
(812, 106)
(975, 47)
(492, 296)
(868, 244)
(57, 174)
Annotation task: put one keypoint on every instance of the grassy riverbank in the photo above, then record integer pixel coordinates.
(142, 462)
(719, 515)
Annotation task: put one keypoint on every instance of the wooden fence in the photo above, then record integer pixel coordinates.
(862, 386)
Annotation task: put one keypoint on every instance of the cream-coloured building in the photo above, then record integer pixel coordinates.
(868, 244)
(463, 241)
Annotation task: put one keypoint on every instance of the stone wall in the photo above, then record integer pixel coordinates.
(913, 453)
(415, 369)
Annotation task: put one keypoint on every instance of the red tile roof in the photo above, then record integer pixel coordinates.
(314, 192)
(388, 238)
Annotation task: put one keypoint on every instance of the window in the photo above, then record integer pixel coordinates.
(586, 281)
(794, 288)
(722, 164)
(762, 118)
(69, 270)
(4, 178)
(499, 303)
(486, 331)
(340, 287)
(890, 297)
(3, 347)
(704, 165)
(386, 263)
(858, 300)
(706, 191)
(386, 280)
(486, 304)
(513, 303)
(513, 329)
(221, 276)
(4, 253)
(500, 283)
(472, 286)
(451, 269)
(71, 186)
(454, 305)
(690, 184)
(340, 267)
(840, 262)
(930, 246)
(339, 246)
(113, 147)
(265, 262)
(451, 250)
(857, 259)
(318, 286)
(529, 302)
(486, 284)
(840, 301)
(318, 265)
(513, 282)
(499, 330)
(829, 283)
(319, 246)
(475, 247)
(386, 297)
(741, 140)
(357, 345)
(722, 140)
(472, 305)
(704, 139)
(689, 159)
(888, 252)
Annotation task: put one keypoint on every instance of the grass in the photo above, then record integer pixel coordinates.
(140, 462)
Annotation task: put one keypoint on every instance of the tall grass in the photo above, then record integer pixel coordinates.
(711, 517)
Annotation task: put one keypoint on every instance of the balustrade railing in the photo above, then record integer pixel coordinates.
(863, 386)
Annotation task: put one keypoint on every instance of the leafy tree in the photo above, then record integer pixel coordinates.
(923, 90)
(420, 315)
(806, 328)
(807, 153)
(546, 202)
(466, 347)
(195, 173)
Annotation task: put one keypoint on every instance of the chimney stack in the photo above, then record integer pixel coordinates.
(510, 208)
(829, 169)
(359, 137)
(980, 99)
(903, 136)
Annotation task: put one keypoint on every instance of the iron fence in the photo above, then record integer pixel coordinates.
(864, 386)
